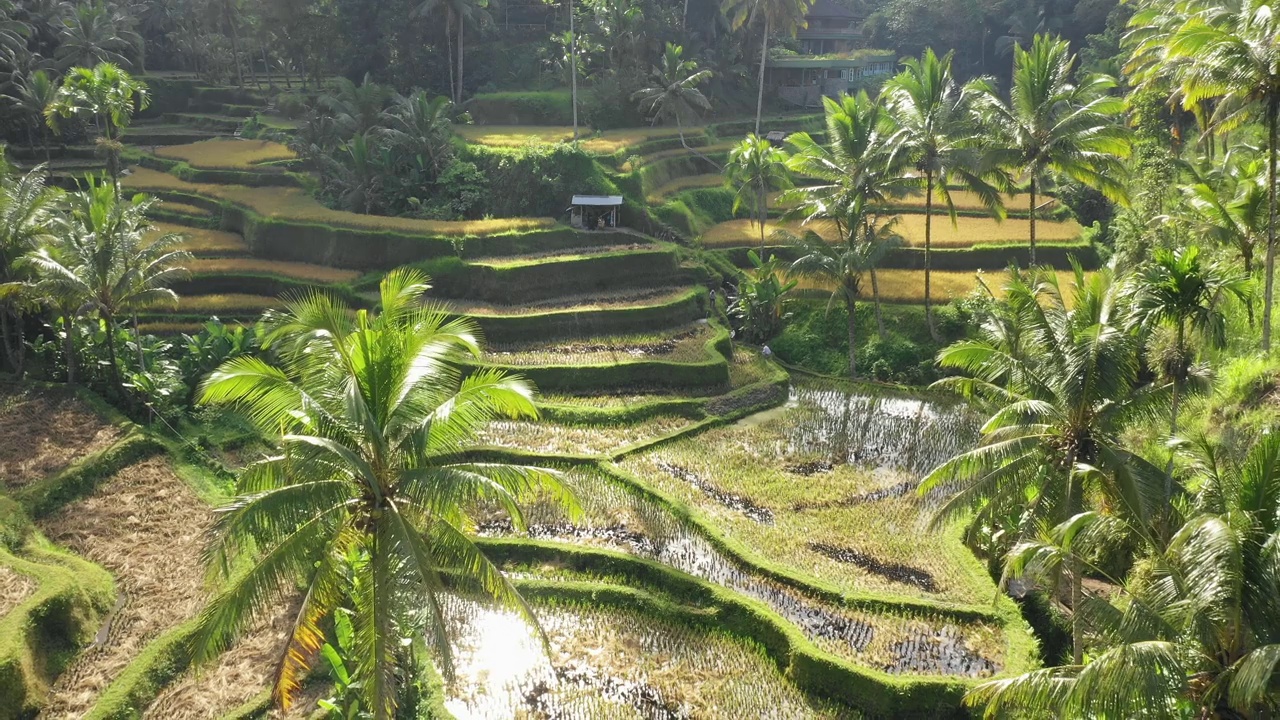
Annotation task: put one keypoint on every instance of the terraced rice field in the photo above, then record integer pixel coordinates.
(228, 153)
(581, 303)
(968, 232)
(606, 142)
(689, 182)
(282, 268)
(298, 205)
(686, 344)
(907, 286)
(44, 432)
(202, 241)
(964, 200)
(234, 302)
(14, 588)
(834, 473)
(549, 438)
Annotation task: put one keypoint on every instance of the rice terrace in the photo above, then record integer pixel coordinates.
(632, 359)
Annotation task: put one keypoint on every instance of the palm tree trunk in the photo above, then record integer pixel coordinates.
(928, 253)
(111, 351)
(235, 43)
(1077, 619)
(1033, 219)
(448, 40)
(1247, 257)
(137, 341)
(69, 347)
(1273, 109)
(462, 31)
(1173, 411)
(266, 67)
(573, 70)
(875, 296)
(684, 18)
(764, 48)
(852, 303)
(762, 204)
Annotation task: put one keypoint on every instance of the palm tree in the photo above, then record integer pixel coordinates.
(777, 16)
(107, 95)
(757, 167)
(1196, 635)
(420, 126)
(1178, 288)
(674, 93)
(96, 32)
(373, 418)
(356, 109)
(463, 11)
(1055, 125)
(936, 131)
(28, 209)
(31, 94)
(1225, 53)
(1060, 375)
(104, 261)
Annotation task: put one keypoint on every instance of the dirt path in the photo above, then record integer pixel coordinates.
(145, 526)
(42, 432)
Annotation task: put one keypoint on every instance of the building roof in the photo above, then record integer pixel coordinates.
(830, 9)
(602, 200)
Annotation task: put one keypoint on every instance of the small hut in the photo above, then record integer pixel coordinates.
(595, 212)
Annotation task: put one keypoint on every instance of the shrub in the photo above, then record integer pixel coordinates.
(546, 107)
(292, 105)
(537, 180)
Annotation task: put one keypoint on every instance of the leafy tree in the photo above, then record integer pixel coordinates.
(757, 167)
(1195, 633)
(28, 213)
(778, 17)
(420, 126)
(105, 259)
(760, 303)
(1055, 125)
(1060, 374)
(674, 93)
(373, 418)
(1224, 53)
(1180, 289)
(31, 94)
(936, 131)
(97, 32)
(107, 95)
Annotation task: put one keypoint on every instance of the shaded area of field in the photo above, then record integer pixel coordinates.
(43, 432)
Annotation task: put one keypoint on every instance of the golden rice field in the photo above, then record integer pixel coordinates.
(688, 182)
(685, 152)
(202, 241)
(967, 232)
(964, 200)
(185, 209)
(295, 270)
(188, 304)
(227, 153)
(298, 205)
(907, 286)
(604, 143)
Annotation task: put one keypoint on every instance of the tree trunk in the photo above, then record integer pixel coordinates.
(928, 253)
(462, 31)
(137, 342)
(1247, 257)
(1173, 414)
(1077, 622)
(69, 347)
(111, 352)
(235, 43)
(764, 48)
(852, 304)
(266, 67)
(573, 70)
(875, 296)
(762, 205)
(448, 40)
(1273, 108)
(1033, 219)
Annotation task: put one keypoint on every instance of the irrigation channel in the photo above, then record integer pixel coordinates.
(502, 667)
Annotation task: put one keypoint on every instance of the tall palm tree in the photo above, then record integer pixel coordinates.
(1225, 53)
(1053, 124)
(756, 166)
(1060, 378)
(936, 131)
(777, 16)
(96, 32)
(28, 211)
(104, 261)
(1181, 289)
(856, 175)
(374, 419)
(356, 109)
(674, 93)
(456, 13)
(1196, 635)
(31, 94)
(1232, 212)
(105, 94)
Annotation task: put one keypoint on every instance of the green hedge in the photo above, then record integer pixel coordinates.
(159, 663)
(606, 321)
(536, 180)
(551, 278)
(534, 107)
(42, 634)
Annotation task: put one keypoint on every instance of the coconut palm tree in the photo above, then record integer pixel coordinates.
(1060, 385)
(674, 93)
(97, 32)
(103, 260)
(1054, 125)
(1231, 212)
(1179, 288)
(1196, 633)
(936, 131)
(28, 212)
(31, 94)
(756, 166)
(356, 109)
(373, 417)
(777, 16)
(420, 126)
(1225, 53)
(108, 96)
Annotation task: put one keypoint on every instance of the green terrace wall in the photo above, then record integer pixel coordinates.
(553, 277)
(264, 176)
(978, 257)
(605, 321)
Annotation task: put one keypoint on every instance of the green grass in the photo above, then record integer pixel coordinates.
(231, 302)
(684, 183)
(614, 300)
